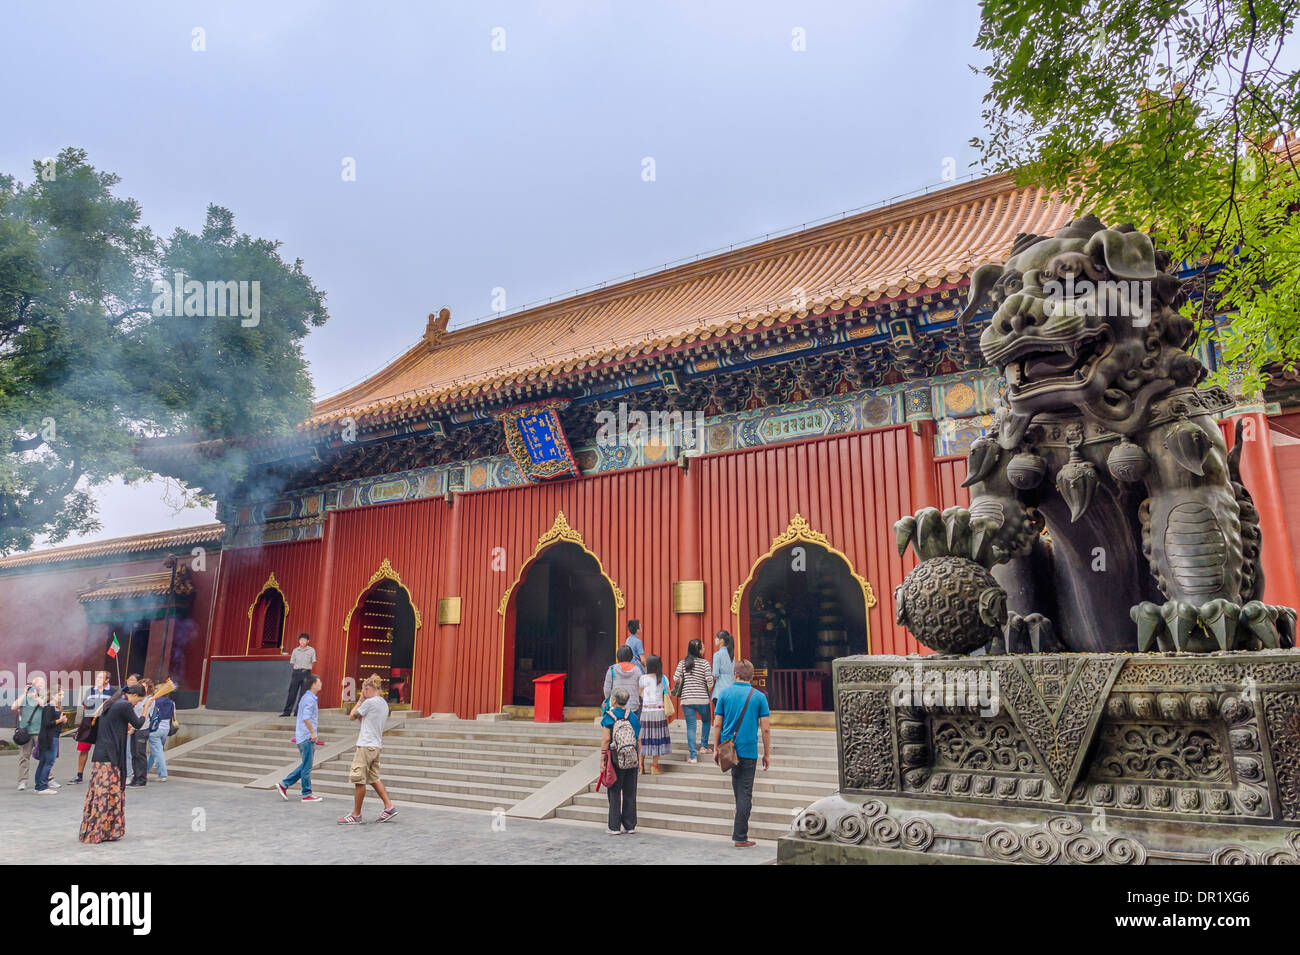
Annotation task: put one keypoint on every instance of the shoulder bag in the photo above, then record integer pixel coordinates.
(727, 758)
(670, 711)
(23, 734)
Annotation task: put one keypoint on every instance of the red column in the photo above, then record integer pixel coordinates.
(689, 625)
(1259, 474)
(326, 648)
(924, 483)
(444, 671)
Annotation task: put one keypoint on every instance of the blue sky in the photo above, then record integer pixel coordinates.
(481, 168)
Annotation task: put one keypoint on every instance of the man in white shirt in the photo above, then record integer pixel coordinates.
(301, 662)
(372, 711)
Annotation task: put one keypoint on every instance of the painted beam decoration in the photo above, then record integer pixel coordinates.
(536, 441)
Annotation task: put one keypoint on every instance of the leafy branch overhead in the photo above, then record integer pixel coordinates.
(96, 364)
(1174, 115)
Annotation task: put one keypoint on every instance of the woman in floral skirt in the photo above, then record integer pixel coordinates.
(655, 741)
(104, 816)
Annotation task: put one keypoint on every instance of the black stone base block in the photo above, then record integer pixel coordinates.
(1093, 759)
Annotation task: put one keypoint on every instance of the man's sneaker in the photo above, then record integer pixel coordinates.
(630, 832)
(350, 819)
(311, 798)
(613, 832)
(22, 785)
(46, 792)
(284, 791)
(75, 780)
(387, 814)
(748, 844)
(162, 779)
(54, 785)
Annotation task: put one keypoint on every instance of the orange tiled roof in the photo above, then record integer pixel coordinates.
(137, 543)
(141, 585)
(874, 256)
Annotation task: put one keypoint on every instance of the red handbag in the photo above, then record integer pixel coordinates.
(607, 775)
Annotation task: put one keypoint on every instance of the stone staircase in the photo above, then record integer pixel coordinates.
(698, 798)
(470, 764)
(490, 765)
(251, 753)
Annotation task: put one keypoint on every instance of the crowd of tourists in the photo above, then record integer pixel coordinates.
(639, 707)
(119, 731)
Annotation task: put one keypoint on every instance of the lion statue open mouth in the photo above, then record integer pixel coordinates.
(1103, 439)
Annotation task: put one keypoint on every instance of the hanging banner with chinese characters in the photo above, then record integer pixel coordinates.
(536, 441)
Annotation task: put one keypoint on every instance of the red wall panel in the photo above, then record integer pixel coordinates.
(952, 471)
(245, 570)
(1287, 457)
(850, 488)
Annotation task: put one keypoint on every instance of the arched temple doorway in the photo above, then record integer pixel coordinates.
(801, 607)
(267, 616)
(381, 629)
(559, 616)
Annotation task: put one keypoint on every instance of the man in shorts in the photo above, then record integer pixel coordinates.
(372, 711)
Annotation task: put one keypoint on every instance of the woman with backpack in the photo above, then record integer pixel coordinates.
(620, 751)
(160, 727)
(724, 664)
(655, 706)
(692, 681)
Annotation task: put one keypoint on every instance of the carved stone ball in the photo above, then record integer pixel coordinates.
(947, 603)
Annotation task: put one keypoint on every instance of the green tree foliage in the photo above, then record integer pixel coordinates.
(1173, 115)
(96, 377)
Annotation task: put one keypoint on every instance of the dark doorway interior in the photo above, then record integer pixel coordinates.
(565, 622)
(136, 650)
(386, 640)
(805, 609)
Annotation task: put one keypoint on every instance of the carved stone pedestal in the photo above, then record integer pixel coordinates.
(1125, 759)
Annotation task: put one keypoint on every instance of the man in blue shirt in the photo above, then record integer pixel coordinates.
(306, 735)
(741, 712)
(633, 641)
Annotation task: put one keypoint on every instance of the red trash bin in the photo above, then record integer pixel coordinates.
(548, 698)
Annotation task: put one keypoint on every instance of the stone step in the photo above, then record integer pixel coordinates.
(576, 750)
(685, 786)
(400, 795)
(540, 739)
(242, 754)
(523, 777)
(676, 762)
(764, 812)
(719, 825)
(453, 751)
(436, 765)
(200, 761)
(502, 792)
(209, 773)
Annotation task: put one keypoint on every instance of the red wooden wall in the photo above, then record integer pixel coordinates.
(850, 488)
(243, 573)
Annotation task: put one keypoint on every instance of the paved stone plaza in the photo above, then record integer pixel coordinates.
(186, 822)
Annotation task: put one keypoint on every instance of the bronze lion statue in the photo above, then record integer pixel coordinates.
(1104, 502)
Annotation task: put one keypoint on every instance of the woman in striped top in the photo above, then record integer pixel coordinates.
(692, 682)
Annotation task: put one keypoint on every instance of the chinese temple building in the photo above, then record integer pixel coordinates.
(723, 445)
